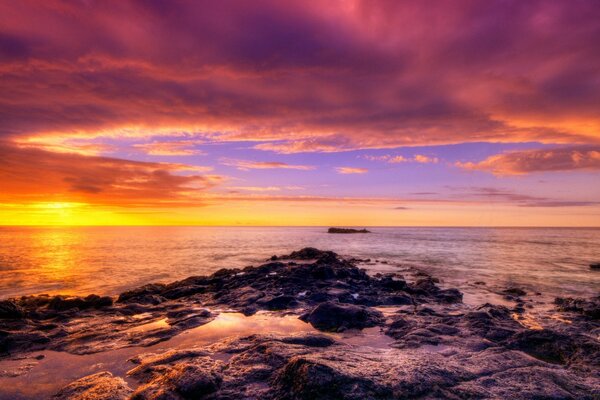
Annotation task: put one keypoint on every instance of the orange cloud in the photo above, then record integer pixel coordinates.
(351, 170)
(174, 148)
(245, 165)
(301, 76)
(35, 175)
(580, 158)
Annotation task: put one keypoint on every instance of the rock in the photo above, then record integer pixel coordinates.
(589, 308)
(331, 316)
(347, 230)
(310, 340)
(141, 294)
(280, 302)
(492, 322)
(306, 379)
(449, 296)
(182, 381)
(595, 266)
(514, 291)
(63, 303)
(558, 348)
(308, 253)
(10, 310)
(100, 386)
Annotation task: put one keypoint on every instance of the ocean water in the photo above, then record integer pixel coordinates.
(108, 260)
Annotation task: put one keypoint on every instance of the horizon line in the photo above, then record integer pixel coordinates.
(300, 226)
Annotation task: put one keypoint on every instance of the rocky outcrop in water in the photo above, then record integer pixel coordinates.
(435, 346)
(299, 281)
(347, 230)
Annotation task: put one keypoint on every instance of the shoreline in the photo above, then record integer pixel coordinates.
(462, 346)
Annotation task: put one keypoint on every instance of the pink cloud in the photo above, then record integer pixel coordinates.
(580, 158)
(169, 148)
(397, 159)
(351, 170)
(302, 76)
(244, 165)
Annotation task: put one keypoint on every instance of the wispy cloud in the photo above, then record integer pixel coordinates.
(245, 165)
(582, 158)
(169, 148)
(265, 188)
(351, 170)
(397, 159)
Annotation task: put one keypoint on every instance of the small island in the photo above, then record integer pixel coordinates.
(347, 230)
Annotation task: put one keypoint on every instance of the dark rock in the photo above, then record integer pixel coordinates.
(492, 322)
(308, 253)
(63, 303)
(449, 296)
(280, 302)
(309, 340)
(184, 380)
(306, 379)
(399, 327)
(514, 291)
(347, 230)
(331, 316)
(559, 348)
(589, 308)
(100, 386)
(10, 310)
(141, 294)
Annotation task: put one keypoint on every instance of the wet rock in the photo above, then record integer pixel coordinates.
(347, 230)
(63, 303)
(16, 342)
(558, 348)
(10, 310)
(307, 253)
(492, 322)
(399, 327)
(280, 302)
(182, 381)
(309, 340)
(303, 378)
(589, 308)
(449, 296)
(100, 386)
(331, 316)
(514, 291)
(144, 294)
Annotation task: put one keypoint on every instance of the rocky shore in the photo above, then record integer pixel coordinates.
(435, 346)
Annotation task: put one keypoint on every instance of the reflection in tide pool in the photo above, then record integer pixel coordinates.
(109, 260)
(57, 369)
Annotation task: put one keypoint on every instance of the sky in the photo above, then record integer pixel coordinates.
(353, 113)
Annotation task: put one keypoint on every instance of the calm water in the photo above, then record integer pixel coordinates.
(108, 260)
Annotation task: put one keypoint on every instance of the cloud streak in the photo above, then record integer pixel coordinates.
(245, 165)
(351, 170)
(579, 158)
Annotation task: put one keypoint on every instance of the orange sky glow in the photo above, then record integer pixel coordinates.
(349, 112)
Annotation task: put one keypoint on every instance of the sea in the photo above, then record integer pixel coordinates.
(549, 262)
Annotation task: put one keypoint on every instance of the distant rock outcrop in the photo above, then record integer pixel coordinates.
(347, 230)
